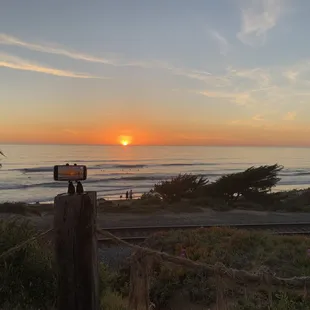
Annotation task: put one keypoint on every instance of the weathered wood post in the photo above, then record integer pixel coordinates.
(76, 251)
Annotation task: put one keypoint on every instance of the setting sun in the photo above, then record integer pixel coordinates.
(125, 140)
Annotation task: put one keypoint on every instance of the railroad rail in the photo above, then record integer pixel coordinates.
(140, 233)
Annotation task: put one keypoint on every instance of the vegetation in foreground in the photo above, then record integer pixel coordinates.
(28, 277)
(284, 256)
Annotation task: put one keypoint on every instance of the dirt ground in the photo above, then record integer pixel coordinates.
(205, 217)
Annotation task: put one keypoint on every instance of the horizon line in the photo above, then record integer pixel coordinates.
(152, 145)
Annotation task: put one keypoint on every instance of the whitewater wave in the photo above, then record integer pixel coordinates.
(108, 165)
(100, 182)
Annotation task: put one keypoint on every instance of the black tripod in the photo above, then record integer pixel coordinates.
(79, 188)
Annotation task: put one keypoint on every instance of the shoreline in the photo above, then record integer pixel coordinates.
(137, 196)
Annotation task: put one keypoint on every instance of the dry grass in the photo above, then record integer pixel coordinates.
(285, 256)
(25, 209)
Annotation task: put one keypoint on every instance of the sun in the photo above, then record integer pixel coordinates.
(125, 140)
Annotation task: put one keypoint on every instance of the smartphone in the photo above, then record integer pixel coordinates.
(70, 173)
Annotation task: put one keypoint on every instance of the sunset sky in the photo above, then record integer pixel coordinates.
(177, 72)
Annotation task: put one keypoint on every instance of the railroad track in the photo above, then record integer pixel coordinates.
(140, 233)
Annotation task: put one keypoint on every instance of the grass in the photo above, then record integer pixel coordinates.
(22, 208)
(28, 277)
(285, 256)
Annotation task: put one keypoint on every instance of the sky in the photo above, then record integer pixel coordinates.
(164, 72)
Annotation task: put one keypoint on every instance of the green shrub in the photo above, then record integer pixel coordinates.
(27, 276)
(181, 186)
(151, 198)
(253, 184)
(22, 208)
(281, 301)
(286, 256)
(112, 301)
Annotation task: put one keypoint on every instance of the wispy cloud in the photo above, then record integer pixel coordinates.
(45, 48)
(259, 17)
(259, 76)
(13, 62)
(290, 116)
(64, 51)
(222, 42)
(258, 118)
(291, 75)
(6, 39)
(241, 98)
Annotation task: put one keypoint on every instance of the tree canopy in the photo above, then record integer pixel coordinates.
(181, 186)
(251, 184)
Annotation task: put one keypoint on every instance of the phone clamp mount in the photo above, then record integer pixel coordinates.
(71, 173)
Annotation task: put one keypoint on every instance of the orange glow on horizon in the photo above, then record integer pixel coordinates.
(128, 134)
(125, 140)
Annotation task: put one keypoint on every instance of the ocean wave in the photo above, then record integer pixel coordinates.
(36, 169)
(293, 182)
(294, 174)
(101, 182)
(107, 165)
(125, 166)
(187, 164)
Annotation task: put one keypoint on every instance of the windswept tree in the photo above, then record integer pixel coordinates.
(181, 186)
(252, 183)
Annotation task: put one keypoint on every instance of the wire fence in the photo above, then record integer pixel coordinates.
(144, 259)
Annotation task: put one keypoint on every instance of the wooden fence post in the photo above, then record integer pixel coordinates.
(76, 251)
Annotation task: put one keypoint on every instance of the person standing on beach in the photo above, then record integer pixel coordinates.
(130, 194)
(127, 195)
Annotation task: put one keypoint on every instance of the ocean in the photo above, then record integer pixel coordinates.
(27, 171)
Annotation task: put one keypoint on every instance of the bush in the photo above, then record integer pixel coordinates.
(27, 276)
(181, 186)
(253, 184)
(286, 256)
(112, 301)
(151, 198)
(23, 208)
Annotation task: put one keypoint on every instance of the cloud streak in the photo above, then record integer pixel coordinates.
(259, 17)
(10, 40)
(223, 44)
(12, 62)
(62, 51)
(258, 118)
(49, 49)
(241, 98)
